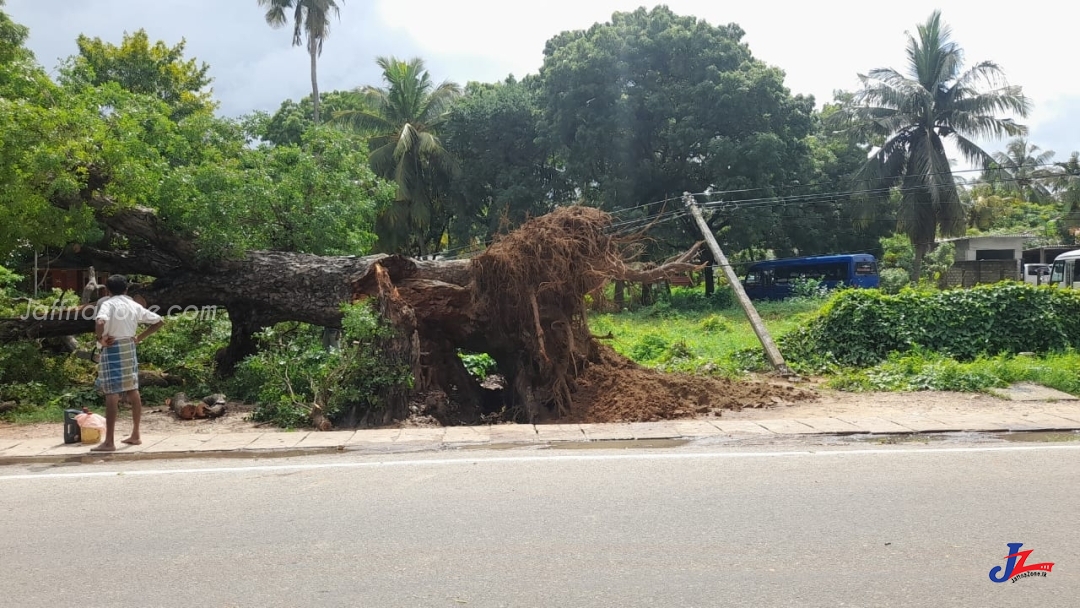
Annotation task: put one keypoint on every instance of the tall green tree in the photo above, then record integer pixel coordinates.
(1024, 170)
(294, 118)
(401, 121)
(508, 172)
(157, 70)
(652, 104)
(914, 115)
(1066, 186)
(311, 26)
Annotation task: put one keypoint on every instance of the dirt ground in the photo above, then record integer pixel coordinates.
(763, 400)
(923, 403)
(619, 390)
(156, 420)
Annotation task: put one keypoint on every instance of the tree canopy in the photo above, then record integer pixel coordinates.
(652, 104)
(401, 123)
(156, 70)
(914, 115)
(106, 139)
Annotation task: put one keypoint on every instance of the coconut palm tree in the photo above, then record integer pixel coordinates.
(911, 117)
(402, 121)
(1066, 186)
(311, 20)
(1026, 170)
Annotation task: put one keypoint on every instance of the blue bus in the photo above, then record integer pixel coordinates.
(771, 279)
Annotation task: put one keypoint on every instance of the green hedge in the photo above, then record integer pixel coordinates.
(862, 327)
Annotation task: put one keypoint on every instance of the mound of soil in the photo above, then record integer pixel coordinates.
(618, 390)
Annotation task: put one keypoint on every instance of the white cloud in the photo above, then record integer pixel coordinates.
(821, 46)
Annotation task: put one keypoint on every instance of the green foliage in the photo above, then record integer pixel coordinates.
(938, 261)
(809, 288)
(863, 327)
(692, 299)
(292, 371)
(317, 198)
(157, 70)
(508, 173)
(133, 125)
(43, 383)
(918, 370)
(923, 370)
(40, 381)
(186, 347)
(715, 323)
(892, 280)
(898, 253)
(652, 104)
(401, 123)
(8, 281)
(479, 365)
(293, 119)
(704, 341)
(648, 348)
(910, 117)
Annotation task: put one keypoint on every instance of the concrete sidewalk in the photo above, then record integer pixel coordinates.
(1059, 417)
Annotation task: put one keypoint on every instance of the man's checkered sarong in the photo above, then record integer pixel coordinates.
(118, 368)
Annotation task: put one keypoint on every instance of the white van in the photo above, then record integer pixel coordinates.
(1037, 274)
(1063, 273)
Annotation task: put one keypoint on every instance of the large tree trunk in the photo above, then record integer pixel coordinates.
(921, 248)
(313, 51)
(522, 302)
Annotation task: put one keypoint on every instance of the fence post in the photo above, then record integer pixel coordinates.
(771, 350)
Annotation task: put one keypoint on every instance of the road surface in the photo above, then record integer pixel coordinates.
(791, 526)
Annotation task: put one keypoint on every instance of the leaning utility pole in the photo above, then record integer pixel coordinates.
(771, 351)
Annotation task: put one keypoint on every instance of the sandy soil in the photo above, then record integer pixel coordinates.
(156, 420)
(922, 403)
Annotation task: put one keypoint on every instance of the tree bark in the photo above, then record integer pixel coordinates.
(184, 409)
(313, 50)
(916, 266)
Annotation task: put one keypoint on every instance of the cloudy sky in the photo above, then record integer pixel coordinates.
(820, 46)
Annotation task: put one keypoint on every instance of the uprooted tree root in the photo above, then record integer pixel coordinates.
(532, 284)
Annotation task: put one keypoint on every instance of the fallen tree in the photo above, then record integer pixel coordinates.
(521, 301)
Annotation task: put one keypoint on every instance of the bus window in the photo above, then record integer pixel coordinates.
(865, 268)
(1057, 276)
(758, 278)
(836, 272)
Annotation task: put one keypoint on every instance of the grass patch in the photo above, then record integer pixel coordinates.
(718, 341)
(923, 370)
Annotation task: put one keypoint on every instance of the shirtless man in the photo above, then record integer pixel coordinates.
(117, 327)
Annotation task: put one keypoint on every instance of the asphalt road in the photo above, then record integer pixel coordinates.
(850, 526)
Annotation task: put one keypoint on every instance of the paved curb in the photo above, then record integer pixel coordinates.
(284, 444)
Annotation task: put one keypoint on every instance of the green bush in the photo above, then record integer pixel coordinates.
(649, 347)
(892, 280)
(809, 289)
(924, 370)
(479, 365)
(693, 299)
(292, 371)
(186, 348)
(41, 381)
(715, 324)
(863, 327)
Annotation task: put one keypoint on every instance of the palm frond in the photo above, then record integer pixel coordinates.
(363, 121)
(275, 13)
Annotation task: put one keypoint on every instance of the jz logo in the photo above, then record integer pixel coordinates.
(1016, 566)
